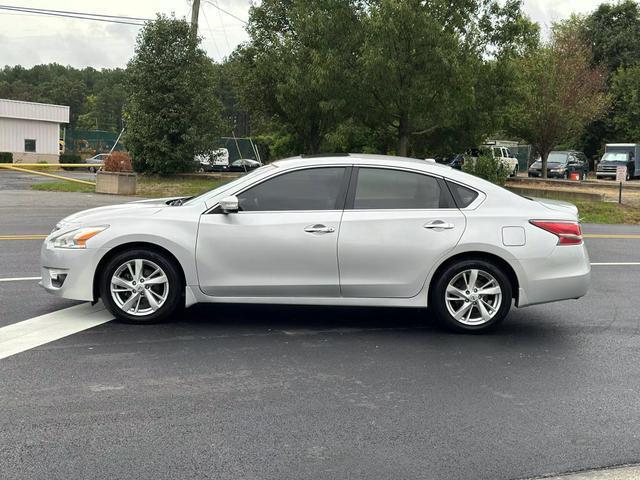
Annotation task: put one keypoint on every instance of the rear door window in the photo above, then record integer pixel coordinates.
(386, 189)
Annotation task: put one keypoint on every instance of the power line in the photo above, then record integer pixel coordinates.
(79, 16)
(121, 17)
(225, 11)
(211, 36)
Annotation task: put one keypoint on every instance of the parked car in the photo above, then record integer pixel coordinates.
(97, 161)
(244, 165)
(411, 234)
(503, 154)
(616, 155)
(214, 161)
(457, 162)
(560, 164)
(507, 158)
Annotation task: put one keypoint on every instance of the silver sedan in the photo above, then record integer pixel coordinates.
(334, 230)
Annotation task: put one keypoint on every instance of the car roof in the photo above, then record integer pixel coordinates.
(354, 159)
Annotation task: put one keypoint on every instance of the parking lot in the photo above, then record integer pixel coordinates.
(308, 392)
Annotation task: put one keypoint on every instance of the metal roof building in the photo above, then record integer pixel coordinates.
(31, 131)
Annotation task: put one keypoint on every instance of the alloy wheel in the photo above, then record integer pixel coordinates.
(139, 287)
(473, 297)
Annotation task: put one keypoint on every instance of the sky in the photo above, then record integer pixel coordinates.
(29, 40)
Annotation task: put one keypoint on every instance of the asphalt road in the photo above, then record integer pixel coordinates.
(290, 392)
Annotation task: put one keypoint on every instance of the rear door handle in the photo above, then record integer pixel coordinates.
(439, 225)
(319, 228)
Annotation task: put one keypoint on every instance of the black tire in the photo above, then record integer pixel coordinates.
(438, 300)
(174, 299)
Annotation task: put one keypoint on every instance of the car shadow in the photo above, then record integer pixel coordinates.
(519, 328)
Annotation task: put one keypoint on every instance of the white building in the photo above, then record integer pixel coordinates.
(31, 131)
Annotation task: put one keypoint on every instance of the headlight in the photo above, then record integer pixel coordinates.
(557, 170)
(77, 238)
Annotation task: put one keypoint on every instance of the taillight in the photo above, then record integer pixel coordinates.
(569, 233)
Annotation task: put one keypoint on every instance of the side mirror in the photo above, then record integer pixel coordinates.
(229, 204)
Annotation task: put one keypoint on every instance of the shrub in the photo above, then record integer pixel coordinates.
(117, 162)
(70, 158)
(489, 168)
(6, 157)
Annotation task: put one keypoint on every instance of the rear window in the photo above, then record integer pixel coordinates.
(463, 196)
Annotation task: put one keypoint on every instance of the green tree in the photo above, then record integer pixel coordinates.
(559, 93)
(625, 93)
(298, 69)
(171, 112)
(426, 67)
(614, 33)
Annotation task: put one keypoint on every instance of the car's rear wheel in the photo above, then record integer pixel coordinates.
(471, 296)
(141, 286)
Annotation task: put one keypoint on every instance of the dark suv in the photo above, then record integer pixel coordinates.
(562, 163)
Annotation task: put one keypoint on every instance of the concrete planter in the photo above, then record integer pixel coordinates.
(116, 183)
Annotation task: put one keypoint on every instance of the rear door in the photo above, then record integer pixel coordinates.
(396, 225)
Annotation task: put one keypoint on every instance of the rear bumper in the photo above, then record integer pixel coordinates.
(564, 275)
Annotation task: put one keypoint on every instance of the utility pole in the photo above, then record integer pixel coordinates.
(195, 10)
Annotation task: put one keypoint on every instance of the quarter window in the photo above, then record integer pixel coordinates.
(310, 189)
(29, 145)
(379, 188)
(464, 196)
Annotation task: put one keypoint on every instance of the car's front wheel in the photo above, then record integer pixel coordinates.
(141, 286)
(471, 296)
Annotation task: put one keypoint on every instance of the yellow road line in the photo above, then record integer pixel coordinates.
(609, 235)
(49, 165)
(23, 237)
(59, 177)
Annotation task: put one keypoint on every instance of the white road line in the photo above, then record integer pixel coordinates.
(20, 279)
(614, 264)
(595, 264)
(630, 472)
(37, 331)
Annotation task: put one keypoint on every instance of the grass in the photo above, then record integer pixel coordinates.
(607, 212)
(154, 187)
(149, 187)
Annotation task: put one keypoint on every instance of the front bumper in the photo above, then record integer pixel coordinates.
(605, 174)
(76, 265)
(563, 275)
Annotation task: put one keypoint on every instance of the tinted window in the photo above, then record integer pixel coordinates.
(311, 189)
(379, 188)
(463, 195)
(29, 145)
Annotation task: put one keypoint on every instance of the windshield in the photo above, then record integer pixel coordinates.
(221, 188)
(557, 157)
(615, 157)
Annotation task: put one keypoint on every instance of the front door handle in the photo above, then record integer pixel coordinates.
(319, 228)
(439, 225)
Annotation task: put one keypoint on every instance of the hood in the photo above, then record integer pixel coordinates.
(558, 206)
(538, 164)
(121, 210)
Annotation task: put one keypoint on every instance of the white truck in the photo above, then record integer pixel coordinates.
(619, 155)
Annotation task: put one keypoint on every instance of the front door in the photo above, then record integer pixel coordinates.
(282, 242)
(396, 225)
